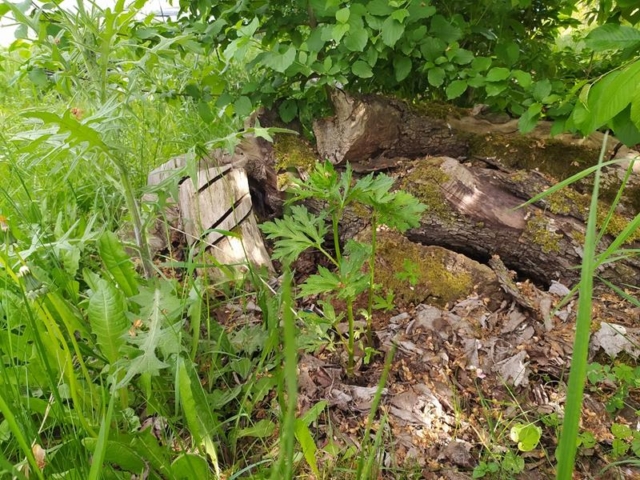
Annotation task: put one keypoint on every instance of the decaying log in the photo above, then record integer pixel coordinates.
(376, 132)
(474, 211)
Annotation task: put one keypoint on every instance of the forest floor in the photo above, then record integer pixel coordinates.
(466, 378)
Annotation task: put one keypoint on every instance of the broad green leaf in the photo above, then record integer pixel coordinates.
(379, 7)
(288, 110)
(280, 61)
(541, 90)
(624, 129)
(529, 119)
(357, 39)
(400, 14)
(456, 88)
(118, 453)
(38, 77)
(523, 78)
(118, 263)
(480, 64)
(613, 36)
(362, 69)
(243, 107)
(497, 74)
(402, 67)
(444, 30)
(342, 15)
(508, 52)
(462, 56)
(188, 466)
(392, 30)
(436, 76)
(339, 31)
(107, 316)
(432, 48)
(419, 10)
(317, 39)
(611, 95)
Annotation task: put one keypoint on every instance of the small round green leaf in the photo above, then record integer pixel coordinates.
(456, 88)
(497, 74)
(342, 15)
(357, 39)
(435, 76)
(288, 110)
(402, 67)
(242, 106)
(362, 69)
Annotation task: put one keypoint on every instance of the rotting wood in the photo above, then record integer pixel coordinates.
(217, 201)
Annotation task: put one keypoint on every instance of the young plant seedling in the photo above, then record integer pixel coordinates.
(301, 230)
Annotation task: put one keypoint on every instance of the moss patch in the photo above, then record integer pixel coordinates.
(432, 280)
(538, 229)
(292, 151)
(439, 110)
(424, 182)
(552, 157)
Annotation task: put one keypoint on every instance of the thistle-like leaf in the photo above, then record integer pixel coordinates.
(107, 316)
(295, 233)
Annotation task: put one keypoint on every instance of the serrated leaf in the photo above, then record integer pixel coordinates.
(362, 69)
(200, 419)
(392, 30)
(435, 76)
(242, 106)
(67, 123)
(108, 320)
(323, 282)
(456, 88)
(295, 233)
(118, 263)
(401, 67)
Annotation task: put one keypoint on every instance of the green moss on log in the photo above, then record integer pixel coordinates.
(433, 281)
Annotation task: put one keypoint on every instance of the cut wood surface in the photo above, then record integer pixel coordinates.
(216, 202)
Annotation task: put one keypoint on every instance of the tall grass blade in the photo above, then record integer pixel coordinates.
(578, 373)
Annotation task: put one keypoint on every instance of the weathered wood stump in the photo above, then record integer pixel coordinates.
(215, 213)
